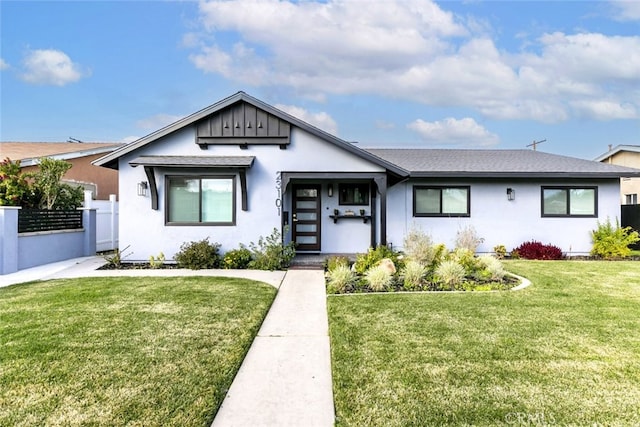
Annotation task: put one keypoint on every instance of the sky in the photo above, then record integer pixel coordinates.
(383, 73)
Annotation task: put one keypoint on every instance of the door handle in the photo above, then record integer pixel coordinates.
(295, 218)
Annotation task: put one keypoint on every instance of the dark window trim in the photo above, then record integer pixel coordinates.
(167, 178)
(342, 185)
(442, 187)
(568, 189)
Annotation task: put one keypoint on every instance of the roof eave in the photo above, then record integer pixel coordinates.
(563, 175)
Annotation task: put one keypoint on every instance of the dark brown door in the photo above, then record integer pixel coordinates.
(306, 217)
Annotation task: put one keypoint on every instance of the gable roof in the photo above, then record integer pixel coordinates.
(29, 152)
(616, 150)
(111, 159)
(498, 163)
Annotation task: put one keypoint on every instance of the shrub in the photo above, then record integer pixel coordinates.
(340, 279)
(13, 185)
(492, 266)
(198, 255)
(237, 258)
(372, 258)
(536, 250)
(467, 238)
(335, 261)
(378, 279)
(500, 251)
(419, 247)
(156, 262)
(612, 242)
(270, 253)
(414, 274)
(466, 258)
(450, 273)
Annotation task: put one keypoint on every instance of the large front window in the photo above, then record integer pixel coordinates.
(569, 201)
(441, 201)
(201, 200)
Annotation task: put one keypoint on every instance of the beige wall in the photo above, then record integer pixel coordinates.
(627, 185)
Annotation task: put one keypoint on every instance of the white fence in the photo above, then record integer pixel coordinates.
(106, 221)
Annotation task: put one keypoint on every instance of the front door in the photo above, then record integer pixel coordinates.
(306, 217)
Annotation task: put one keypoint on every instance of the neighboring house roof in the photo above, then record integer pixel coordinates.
(29, 152)
(110, 160)
(616, 150)
(497, 163)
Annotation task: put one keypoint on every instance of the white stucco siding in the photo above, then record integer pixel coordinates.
(144, 231)
(503, 222)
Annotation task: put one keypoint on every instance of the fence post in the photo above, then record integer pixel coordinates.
(113, 222)
(89, 221)
(9, 239)
(88, 199)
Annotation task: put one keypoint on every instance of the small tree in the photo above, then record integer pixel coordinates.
(48, 180)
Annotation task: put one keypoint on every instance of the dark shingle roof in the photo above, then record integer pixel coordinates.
(195, 161)
(497, 163)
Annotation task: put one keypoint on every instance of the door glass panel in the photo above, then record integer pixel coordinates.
(307, 192)
(311, 204)
(306, 228)
(306, 216)
(306, 240)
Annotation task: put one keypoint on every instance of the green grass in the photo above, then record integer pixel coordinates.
(565, 351)
(124, 351)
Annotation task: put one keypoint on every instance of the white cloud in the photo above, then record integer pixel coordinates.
(3, 65)
(605, 110)
(157, 121)
(50, 67)
(415, 50)
(626, 10)
(320, 120)
(452, 131)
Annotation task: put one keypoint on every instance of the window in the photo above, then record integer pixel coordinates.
(441, 201)
(201, 200)
(630, 199)
(354, 194)
(569, 201)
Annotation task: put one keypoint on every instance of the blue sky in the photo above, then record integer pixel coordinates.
(392, 73)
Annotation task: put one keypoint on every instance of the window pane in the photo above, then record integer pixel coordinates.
(184, 195)
(454, 201)
(583, 201)
(306, 216)
(554, 201)
(306, 228)
(311, 204)
(307, 192)
(428, 201)
(217, 200)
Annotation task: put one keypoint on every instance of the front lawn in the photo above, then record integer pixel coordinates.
(564, 351)
(124, 351)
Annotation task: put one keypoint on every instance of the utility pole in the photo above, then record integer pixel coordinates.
(535, 143)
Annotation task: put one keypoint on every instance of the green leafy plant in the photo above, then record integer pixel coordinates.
(492, 267)
(414, 274)
(335, 261)
(340, 279)
(378, 279)
(610, 242)
(114, 260)
(157, 262)
(466, 258)
(270, 253)
(467, 238)
(237, 258)
(198, 255)
(500, 251)
(14, 187)
(450, 273)
(48, 180)
(372, 258)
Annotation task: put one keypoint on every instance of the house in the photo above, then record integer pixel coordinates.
(237, 169)
(100, 181)
(629, 156)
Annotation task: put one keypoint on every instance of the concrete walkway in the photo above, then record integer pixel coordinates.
(285, 379)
